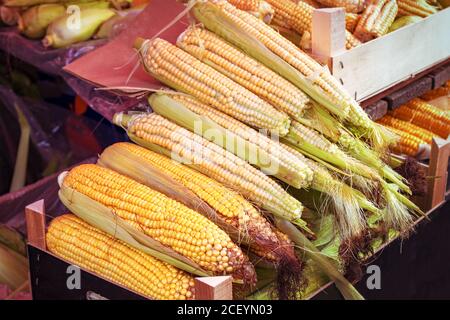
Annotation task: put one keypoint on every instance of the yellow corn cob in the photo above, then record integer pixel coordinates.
(72, 239)
(351, 20)
(299, 16)
(159, 134)
(422, 106)
(408, 127)
(259, 8)
(267, 46)
(183, 72)
(376, 19)
(251, 228)
(249, 73)
(312, 3)
(163, 219)
(436, 93)
(423, 120)
(408, 144)
(415, 8)
(351, 6)
(297, 167)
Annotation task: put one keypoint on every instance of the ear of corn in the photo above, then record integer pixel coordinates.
(376, 19)
(259, 8)
(34, 22)
(159, 134)
(185, 73)
(351, 6)
(234, 136)
(64, 31)
(424, 107)
(245, 225)
(76, 241)
(163, 219)
(407, 127)
(13, 240)
(415, 8)
(299, 17)
(403, 22)
(267, 46)
(408, 144)
(13, 268)
(249, 73)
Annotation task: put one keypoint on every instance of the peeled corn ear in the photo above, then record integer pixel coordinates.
(351, 6)
(419, 8)
(165, 220)
(376, 19)
(94, 250)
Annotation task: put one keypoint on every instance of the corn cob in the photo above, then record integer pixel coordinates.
(351, 20)
(76, 241)
(408, 143)
(376, 19)
(183, 72)
(423, 120)
(415, 8)
(252, 75)
(312, 3)
(351, 6)
(408, 127)
(163, 219)
(159, 134)
(248, 226)
(436, 93)
(34, 22)
(299, 17)
(266, 45)
(403, 22)
(259, 8)
(422, 106)
(270, 157)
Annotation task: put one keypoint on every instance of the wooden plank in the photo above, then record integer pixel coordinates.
(328, 33)
(214, 288)
(35, 219)
(415, 89)
(378, 64)
(437, 186)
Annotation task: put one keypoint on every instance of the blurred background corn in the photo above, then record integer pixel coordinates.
(351, 6)
(183, 72)
(163, 219)
(249, 73)
(33, 22)
(161, 135)
(376, 19)
(74, 240)
(251, 228)
(351, 20)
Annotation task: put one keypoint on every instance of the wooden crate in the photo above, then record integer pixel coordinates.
(381, 63)
(49, 274)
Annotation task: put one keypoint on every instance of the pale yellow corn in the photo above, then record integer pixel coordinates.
(376, 19)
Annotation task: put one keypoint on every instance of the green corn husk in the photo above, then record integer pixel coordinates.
(33, 23)
(13, 268)
(30, 3)
(60, 35)
(20, 168)
(103, 218)
(213, 17)
(90, 5)
(403, 22)
(246, 150)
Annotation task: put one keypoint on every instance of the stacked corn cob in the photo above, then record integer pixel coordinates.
(376, 19)
(351, 6)
(76, 241)
(419, 8)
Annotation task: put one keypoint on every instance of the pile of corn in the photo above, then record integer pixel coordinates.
(417, 123)
(63, 23)
(259, 157)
